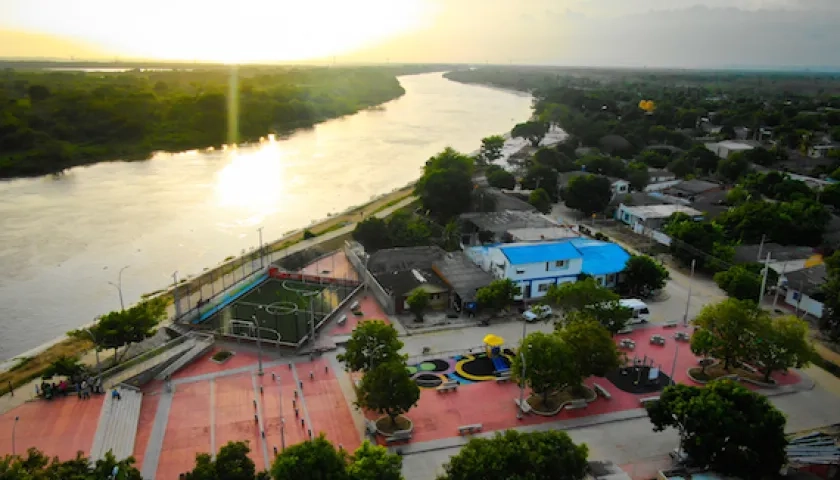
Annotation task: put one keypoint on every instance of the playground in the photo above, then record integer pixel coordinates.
(283, 309)
(480, 364)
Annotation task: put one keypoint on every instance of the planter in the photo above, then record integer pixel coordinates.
(590, 397)
(403, 425)
(222, 356)
(693, 371)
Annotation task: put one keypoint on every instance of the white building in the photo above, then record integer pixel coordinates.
(652, 216)
(728, 147)
(535, 267)
(804, 290)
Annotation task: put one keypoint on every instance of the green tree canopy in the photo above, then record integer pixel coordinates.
(733, 167)
(372, 233)
(587, 296)
(372, 343)
(534, 132)
(550, 365)
(497, 296)
(781, 343)
(491, 148)
(723, 425)
(388, 389)
(702, 242)
(372, 462)
(501, 178)
(34, 465)
(232, 462)
(642, 275)
(542, 177)
(731, 324)
(122, 328)
(593, 348)
(315, 459)
(418, 301)
(555, 159)
(540, 200)
(638, 176)
(446, 184)
(738, 282)
(549, 455)
(588, 194)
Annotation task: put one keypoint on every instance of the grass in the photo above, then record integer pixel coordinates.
(33, 367)
(385, 426)
(221, 356)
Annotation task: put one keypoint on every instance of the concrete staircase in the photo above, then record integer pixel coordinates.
(197, 345)
(117, 424)
(150, 363)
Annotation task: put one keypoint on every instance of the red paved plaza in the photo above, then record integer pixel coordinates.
(334, 266)
(370, 310)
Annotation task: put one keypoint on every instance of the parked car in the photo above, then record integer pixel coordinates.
(537, 312)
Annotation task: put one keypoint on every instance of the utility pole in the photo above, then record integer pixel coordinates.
(799, 298)
(118, 286)
(262, 265)
(175, 295)
(764, 279)
(259, 345)
(778, 284)
(14, 430)
(688, 300)
(760, 248)
(674, 365)
(312, 322)
(522, 379)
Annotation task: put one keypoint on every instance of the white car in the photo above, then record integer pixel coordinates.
(537, 312)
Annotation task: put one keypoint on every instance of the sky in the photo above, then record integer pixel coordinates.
(624, 33)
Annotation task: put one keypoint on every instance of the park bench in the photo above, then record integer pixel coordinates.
(342, 319)
(370, 427)
(657, 340)
(682, 337)
(576, 404)
(469, 429)
(671, 324)
(505, 377)
(628, 344)
(601, 391)
(646, 400)
(447, 386)
(399, 436)
(354, 306)
(625, 330)
(524, 406)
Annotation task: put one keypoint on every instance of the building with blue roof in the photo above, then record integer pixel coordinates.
(536, 266)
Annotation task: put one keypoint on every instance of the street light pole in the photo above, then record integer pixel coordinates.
(14, 428)
(262, 265)
(259, 345)
(96, 350)
(118, 286)
(522, 377)
(175, 295)
(688, 300)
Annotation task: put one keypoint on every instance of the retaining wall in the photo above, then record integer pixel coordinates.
(386, 300)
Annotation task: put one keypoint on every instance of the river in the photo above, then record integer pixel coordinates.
(63, 239)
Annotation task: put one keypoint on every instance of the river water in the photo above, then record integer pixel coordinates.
(63, 239)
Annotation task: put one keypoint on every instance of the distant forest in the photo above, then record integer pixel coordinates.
(51, 121)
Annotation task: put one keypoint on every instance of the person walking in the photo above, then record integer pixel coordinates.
(85, 393)
(115, 394)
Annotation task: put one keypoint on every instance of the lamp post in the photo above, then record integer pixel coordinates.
(14, 428)
(688, 300)
(118, 286)
(262, 265)
(95, 349)
(259, 345)
(520, 412)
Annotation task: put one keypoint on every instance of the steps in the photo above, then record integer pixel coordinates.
(117, 424)
(198, 347)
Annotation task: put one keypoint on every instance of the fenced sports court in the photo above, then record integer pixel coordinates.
(285, 310)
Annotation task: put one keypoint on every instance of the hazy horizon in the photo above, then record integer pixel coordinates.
(693, 34)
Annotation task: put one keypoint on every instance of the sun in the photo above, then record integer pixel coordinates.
(234, 31)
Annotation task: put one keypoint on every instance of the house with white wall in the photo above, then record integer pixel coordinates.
(534, 267)
(804, 290)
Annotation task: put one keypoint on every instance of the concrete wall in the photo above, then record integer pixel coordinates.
(352, 250)
(806, 304)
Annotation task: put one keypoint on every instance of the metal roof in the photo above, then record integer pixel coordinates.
(462, 275)
(647, 212)
(521, 254)
(600, 258)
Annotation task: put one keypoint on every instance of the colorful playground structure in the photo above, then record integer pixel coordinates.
(493, 345)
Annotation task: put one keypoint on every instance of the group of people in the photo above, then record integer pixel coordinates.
(82, 385)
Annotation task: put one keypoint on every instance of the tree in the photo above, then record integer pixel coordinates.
(417, 302)
(731, 323)
(541, 176)
(491, 148)
(638, 176)
(549, 455)
(733, 167)
(533, 131)
(739, 283)
(37, 466)
(388, 389)
(642, 275)
(653, 159)
(589, 194)
(372, 343)
(497, 296)
(372, 462)
(540, 200)
(446, 184)
(781, 343)
(500, 178)
(593, 348)
(697, 241)
(232, 463)
(372, 233)
(555, 159)
(587, 296)
(703, 343)
(550, 365)
(701, 158)
(724, 426)
(680, 167)
(124, 327)
(311, 460)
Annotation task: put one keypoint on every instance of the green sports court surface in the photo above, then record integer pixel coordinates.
(280, 307)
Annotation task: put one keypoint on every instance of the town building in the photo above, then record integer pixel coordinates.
(494, 227)
(463, 278)
(534, 267)
(803, 290)
(398, 271)
(727, 147)
(652, 217)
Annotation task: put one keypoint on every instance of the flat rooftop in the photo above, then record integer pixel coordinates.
(648, 212)
(541, 233)
(499, 222)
